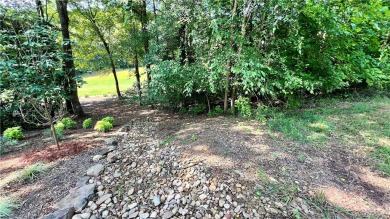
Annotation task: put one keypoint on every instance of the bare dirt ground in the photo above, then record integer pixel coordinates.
(331, 178)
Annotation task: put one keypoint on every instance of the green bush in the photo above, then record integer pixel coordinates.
(197, 109)
(182, 110)
(60, 128)
(87, 123)
(68, 123)
(14, 133)
(244, 107)
(109, 119)
(103, 126)
(215, 112)
(5, 143)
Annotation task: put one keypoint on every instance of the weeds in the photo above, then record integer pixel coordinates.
(33, 171)
(7, 205)
(167, 141)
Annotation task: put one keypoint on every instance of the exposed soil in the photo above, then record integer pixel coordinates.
(229, 146)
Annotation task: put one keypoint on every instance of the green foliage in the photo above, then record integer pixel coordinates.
(103, 126)
(60, 129)
(383, 155)
(194, 137)
(5, 143)
(33, 171)
(197, 109)
(7, 205)
(87, 123)
(244, 107)
(167, 141)
(215, 112)
(182, 110)
(14, 133)
(109, 119)
(68, 123)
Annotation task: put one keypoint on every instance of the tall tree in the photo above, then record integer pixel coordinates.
(90, 14)
(67, 62)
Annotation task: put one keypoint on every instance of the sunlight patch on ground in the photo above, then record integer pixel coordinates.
(371, 178)
(353, 201)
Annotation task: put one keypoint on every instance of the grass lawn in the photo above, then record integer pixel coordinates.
(103, 84)
(361, 122)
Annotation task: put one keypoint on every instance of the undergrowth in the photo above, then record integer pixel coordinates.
(33, 171)
(7, 205)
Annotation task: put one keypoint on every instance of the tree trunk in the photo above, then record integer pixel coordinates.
(182, 36)
(53, 130)
(73, 105)
(227, 80)
(144, 22)
(137, 75)
(107, 48)
(227, 83)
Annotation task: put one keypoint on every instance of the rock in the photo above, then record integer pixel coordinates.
(133, 215)
(156, 200)
(77, 216)
(279, 205)
(272, 211)
(112, 157)
(167, 215)
(117, 174)
(77, 198)
(131, 191)
(97, 157)
(95, 170)
(86, 215)
(103, 198)
(144, 216)
(153, 214)
(82, 181)
(105, 214)
(202, 196)
(65, 213)
(183, 211)
(227, 206)
(221, 202)
(237, 209)
(112, 141)
(132, 206)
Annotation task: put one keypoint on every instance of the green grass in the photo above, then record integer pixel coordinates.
(33, 171)
(103, 84)
(7, 205)
(358, 121)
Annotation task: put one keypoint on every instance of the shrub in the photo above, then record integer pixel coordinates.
(33, 171)
(87, 123)
(182, 110)
(103, 126)
(60, 128)
(197, 109)
(109, 119)
(6, 207)
(215, 112)
(244, 107)
(5, 143)
(14, 133)
(68, 123)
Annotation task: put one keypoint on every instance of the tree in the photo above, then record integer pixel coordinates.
(68, 63)
(31, 70)
(92, 15)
